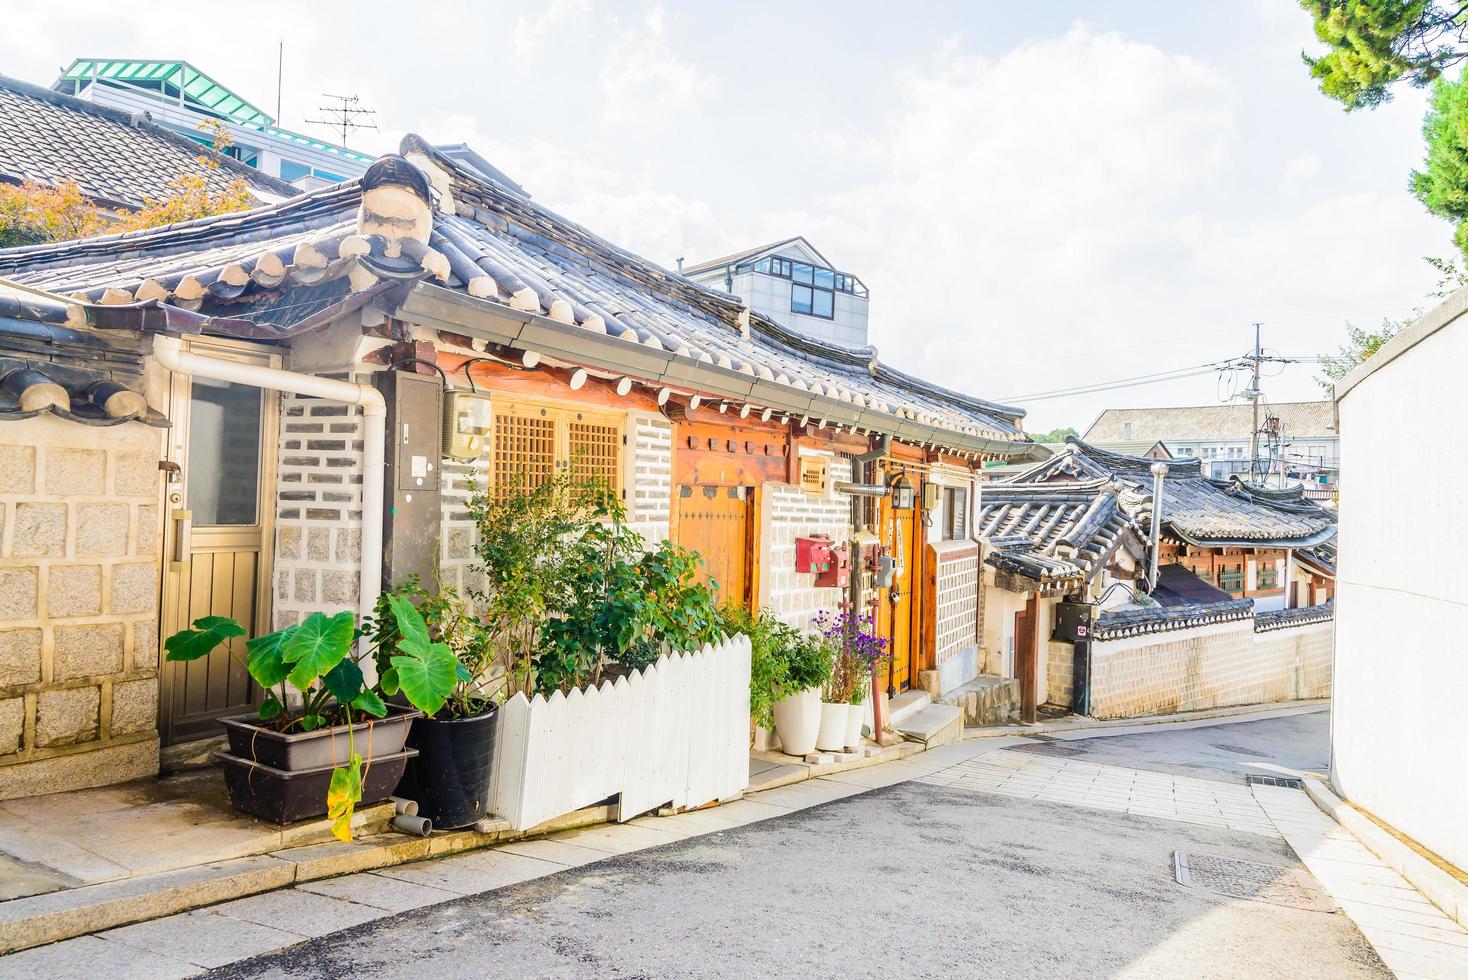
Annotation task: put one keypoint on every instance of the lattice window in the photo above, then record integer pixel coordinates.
(534, 442)
(956, 624)
(524, 451)
(592, 449)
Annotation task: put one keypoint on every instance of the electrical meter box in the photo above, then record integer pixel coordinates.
(838, 574)
(813, 553)
(932, 496)
(467, 421)
(1072, 621)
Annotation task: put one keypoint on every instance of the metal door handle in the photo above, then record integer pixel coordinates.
(183, 527)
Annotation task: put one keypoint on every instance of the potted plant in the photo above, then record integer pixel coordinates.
(450, 776)
(302, 752)
(769, 671)
(859, 653)
(808, 661)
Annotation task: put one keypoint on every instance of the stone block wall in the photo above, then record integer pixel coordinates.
(318, 517)
(786, 514)
(1211, 666)
(80, 528)
(1059, 673)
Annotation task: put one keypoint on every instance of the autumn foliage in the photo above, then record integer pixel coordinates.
(31, 214)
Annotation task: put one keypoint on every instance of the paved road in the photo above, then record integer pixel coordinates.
(915, 880)
(1226, 753)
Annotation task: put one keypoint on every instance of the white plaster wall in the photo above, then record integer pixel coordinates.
(1398, 726)
(1000, 605)
(786, 513)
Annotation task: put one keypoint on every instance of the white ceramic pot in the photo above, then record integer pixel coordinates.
(854, 723)
(835, 719)
(798, 721)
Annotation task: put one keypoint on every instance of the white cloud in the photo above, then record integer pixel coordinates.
(1073, 212)
(643, 76)
(1301, 169)
(531, 33)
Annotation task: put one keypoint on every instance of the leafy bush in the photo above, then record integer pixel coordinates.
(572, 586)
(770, 641)
(809, 662)
(452, 622)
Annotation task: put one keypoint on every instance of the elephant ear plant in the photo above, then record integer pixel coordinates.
(317, 659)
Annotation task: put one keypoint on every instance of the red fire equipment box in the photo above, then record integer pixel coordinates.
(813, 553)
(838, 575)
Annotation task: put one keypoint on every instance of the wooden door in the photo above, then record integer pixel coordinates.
(1026, 661)
(218, 537)
(899, 607)
(714, 521)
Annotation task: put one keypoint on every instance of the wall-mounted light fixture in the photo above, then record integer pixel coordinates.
(904, 495)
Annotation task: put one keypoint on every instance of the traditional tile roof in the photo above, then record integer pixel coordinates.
(1319, 559)
(493, 250)
(1197, 510)
(1224, 422)
(117, 159)
(1276, 619)
(1137, 620)
(1062, 533)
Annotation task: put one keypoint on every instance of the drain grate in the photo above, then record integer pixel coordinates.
(1250, 880)
(1288, 782)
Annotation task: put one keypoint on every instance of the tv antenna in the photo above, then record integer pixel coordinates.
(346, 115)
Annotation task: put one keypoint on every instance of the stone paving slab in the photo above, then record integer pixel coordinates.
(298, 911)
(202, 937)
(93, 958)
(379, 891)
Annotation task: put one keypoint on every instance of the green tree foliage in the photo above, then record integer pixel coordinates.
(1442, 184)
(1054, 435)
(1362, 344)
(1373, 44)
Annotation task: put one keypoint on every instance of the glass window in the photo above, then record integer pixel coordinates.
(825, 278)
(291, 170)
(801, 272)
(1231, 577)
(224, 453)
(1268, 575)
(822, 304)
(800, 299)
(763, 265)
(328, 175)
(955, 513)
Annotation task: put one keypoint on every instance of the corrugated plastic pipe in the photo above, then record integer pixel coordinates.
(172, 355)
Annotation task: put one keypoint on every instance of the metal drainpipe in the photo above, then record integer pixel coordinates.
(171, 354)
(1159, 470)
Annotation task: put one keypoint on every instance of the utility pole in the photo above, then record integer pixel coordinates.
(1253, 395)
(346, 115)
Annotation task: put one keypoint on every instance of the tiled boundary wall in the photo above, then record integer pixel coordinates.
(79, 572)
(956, 612)
(1210, 666)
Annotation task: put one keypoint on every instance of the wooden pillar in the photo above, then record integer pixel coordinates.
(1027, 643)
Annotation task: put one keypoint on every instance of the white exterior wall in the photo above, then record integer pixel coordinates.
(1398, 725)
(649, 480)
(787, 513)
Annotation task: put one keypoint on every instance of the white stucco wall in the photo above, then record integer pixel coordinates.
(1398, 726)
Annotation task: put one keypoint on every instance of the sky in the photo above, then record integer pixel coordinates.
(1039, 197)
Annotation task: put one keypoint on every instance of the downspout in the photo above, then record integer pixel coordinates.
(171, 354)
(1159, 470)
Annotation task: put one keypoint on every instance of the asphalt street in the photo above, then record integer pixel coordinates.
(912, 880)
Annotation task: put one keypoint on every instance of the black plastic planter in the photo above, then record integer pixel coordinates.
(450, 778)
(285, 797)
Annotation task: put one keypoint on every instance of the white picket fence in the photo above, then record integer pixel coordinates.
(674, 733)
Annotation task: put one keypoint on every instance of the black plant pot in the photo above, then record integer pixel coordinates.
(450, 777)
(283, 796)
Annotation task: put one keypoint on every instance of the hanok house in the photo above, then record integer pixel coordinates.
(1076, 530)
(119, 160)
(335, 370)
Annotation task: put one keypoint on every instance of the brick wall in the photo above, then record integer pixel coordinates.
(80, 526)
(957, 600)
(650, 487)
(318, 518)
(1059, 672)
(1207, 667)
(788, 513)
(456, 557)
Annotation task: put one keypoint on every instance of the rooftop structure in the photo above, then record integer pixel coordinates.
(179, 97)
(794, 285)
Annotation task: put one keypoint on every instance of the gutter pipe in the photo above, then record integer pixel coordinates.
(172, 355)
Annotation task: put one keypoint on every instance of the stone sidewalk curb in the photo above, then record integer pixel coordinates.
(1436, 885)
(1080, 724)
(54, 916)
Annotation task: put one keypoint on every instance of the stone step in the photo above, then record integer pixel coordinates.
(934, 725)
(905, 705)
(986, 700)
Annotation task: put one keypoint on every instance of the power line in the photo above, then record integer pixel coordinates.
(1118, 382)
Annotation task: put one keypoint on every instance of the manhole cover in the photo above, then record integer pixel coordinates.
(1239, 750)
(1250, 880)
(1288, 782)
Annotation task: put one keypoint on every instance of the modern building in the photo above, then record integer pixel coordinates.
(794, 285)
(179, 97)
(1298, 440)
